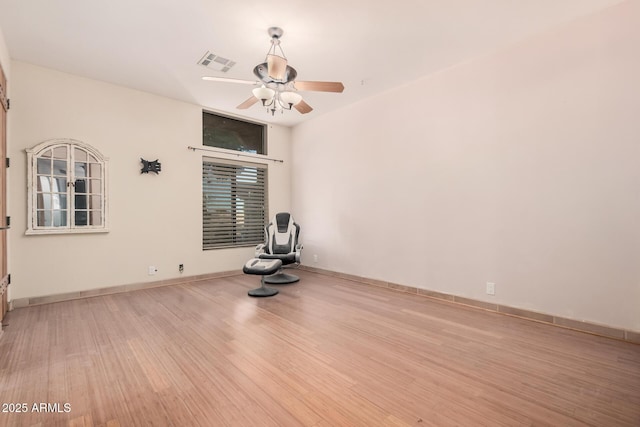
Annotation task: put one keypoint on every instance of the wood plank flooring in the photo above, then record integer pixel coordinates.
(324, 352)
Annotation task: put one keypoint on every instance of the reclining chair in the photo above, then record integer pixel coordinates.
(281, 242)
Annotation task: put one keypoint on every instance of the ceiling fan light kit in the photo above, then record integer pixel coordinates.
(263, 94)
(278, 88)
(274, 100)
(290, 98)
(279, 100)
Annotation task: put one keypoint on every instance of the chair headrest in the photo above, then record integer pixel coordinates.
(282, 221)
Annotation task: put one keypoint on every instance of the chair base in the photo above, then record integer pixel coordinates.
(262, 292)
(281, 279)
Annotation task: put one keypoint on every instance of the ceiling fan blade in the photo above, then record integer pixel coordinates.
(320, 86)
(248, 103)
(276, 66)
(303, 107)
(227, 80)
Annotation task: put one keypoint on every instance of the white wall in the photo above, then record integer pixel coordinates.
(154, 219)
(521, 168)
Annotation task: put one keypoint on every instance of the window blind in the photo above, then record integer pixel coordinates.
(234, 204)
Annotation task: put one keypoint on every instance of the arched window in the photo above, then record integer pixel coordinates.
(67, 188)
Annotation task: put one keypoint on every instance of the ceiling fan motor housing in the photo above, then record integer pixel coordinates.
(261, 71)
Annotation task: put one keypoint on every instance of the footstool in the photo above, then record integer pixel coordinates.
(262, 267)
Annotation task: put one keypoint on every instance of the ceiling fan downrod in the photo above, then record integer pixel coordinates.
(275, 33)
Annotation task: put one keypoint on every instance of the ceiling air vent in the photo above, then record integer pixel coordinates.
(215, 62)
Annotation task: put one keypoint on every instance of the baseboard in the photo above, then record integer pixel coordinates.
(591, 328)
(48, 299)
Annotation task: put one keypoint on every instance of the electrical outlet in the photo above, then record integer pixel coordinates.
(152, 270)
(180, 268)
(491, 288)
(315, 258)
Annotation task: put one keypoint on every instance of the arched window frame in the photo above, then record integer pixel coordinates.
(96, 189)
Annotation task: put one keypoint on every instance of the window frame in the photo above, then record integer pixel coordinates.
(265, 208)
(33, 154)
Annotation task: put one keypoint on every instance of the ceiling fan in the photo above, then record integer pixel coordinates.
(278, 87)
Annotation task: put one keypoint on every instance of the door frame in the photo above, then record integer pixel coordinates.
(4, 219)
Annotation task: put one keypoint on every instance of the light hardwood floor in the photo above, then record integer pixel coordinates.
(324, 352)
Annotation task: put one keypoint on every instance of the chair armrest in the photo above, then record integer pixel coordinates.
(298, 252)
(260, 250)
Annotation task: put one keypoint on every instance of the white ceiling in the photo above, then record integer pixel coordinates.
(371, 46)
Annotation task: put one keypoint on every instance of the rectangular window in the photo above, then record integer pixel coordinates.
(234, 204)
(231, 134)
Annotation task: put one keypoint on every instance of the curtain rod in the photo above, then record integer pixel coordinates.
(254, 156)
